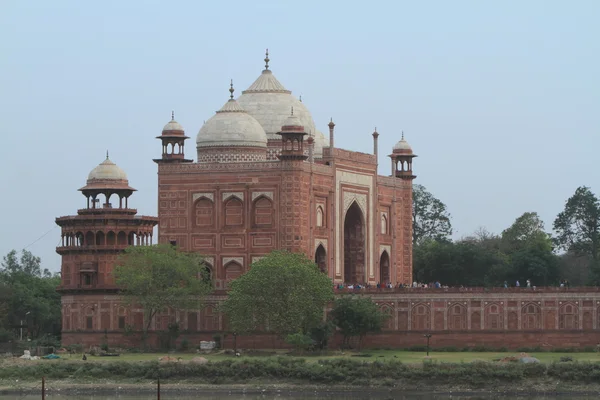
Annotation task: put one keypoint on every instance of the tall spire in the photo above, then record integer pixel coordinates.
(231, 90)
(267, 59)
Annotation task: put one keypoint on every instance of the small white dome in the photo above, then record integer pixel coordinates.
(292, 120)
(402, 146)
(173, 126)
(231, 126)
(107, 170)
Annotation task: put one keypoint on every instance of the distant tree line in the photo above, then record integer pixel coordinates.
(524, 250)
(28, 299)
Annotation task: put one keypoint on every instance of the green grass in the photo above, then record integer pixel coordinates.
(381, 355)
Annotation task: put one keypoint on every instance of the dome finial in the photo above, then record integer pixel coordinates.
(267, 59)
(402, 135)
(107, 154)
(231, 89)
(172, 115)
(300, 98)
(292, 110)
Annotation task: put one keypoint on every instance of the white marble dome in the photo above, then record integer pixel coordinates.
(402, 146)
(107, 170)
(231, 126)
(320, 142)
(270, 102)
(173, 126)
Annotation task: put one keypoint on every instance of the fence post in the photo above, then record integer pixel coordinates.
(158, 389)
(43, 388)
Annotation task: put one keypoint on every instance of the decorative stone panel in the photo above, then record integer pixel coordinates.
(208, 195)
(322, 242)
(239, 260)
(360, 198)
(231, 155)
(385, 247)
(210, 260)
(255, 195)
(239, 195)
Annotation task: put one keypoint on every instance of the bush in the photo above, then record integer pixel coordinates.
(300, 341)
(185, 344)
(5, 336)
(566, 359)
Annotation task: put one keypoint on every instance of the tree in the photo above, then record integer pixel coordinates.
(530, 250)
(161, 277)
(578, 228)
(33, 297)
(282, 293)
(357, 316)
(578, 225)
(430, 216)
(527, 228)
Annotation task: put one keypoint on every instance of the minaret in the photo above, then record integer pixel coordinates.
(402, 156)
(173, 140)
(91, 242)
(292, 139)
(375, 147)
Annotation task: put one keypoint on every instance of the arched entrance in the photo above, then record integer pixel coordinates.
(384, 268)
(321, 259)
(354, 245)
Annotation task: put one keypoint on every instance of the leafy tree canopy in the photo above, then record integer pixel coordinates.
(578, 225)
(282, 293)
(32, 296)
(160, 277)
(357, 316)
(527, 229)
(431, 219)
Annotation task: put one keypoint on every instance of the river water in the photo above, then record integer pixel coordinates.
(302, 396)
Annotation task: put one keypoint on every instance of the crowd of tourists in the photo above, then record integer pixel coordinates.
(564, 283)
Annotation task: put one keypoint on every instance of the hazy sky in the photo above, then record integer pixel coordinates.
(500, 99)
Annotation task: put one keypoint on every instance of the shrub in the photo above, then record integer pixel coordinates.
(566, 359)
(300, 341)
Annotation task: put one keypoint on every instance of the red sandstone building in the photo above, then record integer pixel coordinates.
(265, 178)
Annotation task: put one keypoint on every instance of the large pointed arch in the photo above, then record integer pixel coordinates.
(354, 245)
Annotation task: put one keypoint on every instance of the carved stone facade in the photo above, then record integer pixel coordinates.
(547, 318)
(251, 209)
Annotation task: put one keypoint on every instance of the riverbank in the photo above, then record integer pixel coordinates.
(287, 373)
(295, 390)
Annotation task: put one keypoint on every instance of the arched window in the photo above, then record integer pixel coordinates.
(204, 213)
(568, 317)
(321, 258)
(89, 319)
(384, 224)
(89, 238)
(263, 211)
(234, 212)
(232, 271)
(207, 274)
(320, 217)
(100, 238)
(531, 317)
(111, 238)
(122, 238)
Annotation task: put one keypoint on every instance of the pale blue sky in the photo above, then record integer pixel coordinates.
(500, 99)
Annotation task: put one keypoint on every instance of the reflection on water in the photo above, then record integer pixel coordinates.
(300, 396)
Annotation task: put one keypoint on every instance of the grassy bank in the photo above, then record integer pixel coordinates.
(293, 370)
